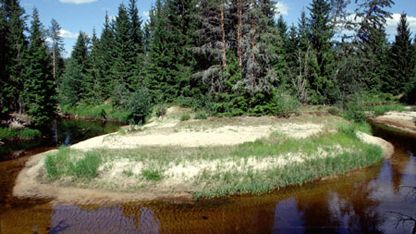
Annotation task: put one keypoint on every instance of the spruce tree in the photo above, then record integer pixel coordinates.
(123, 70)
(372, 42)
(323, 87)
(95, 95)
(136, 32)
(4, 50)
(212, 46)
(283, 30)
(401, 60)
(170, 56)
(17, 44)
(39, 87)
(105, 60)
(76, 85)
(57, 48)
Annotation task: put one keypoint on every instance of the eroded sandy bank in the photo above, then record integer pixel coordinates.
(402, 121)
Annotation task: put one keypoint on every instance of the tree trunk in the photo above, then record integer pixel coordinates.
(239, 29)
(224, 47)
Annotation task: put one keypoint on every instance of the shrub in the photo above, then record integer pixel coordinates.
(160, 110)
(28, 133)
(185, 117)
(201, 115)
(283, 103)
(140, 105)
(334, 111)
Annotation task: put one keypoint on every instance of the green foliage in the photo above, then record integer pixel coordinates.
(160, 110)
(23, 134)
(62, 163)
(97, 112)
(56, 164)
(185, 117)
(348, 130)
(201, 115)
(333, 110)
(86, 167)
(152, 174)
(140, 105)
(401, 59)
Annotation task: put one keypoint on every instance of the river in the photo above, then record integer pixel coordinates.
(379, 199)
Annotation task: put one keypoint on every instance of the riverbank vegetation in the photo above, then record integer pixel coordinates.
(269, 163)
(228, 58)
(9, 134)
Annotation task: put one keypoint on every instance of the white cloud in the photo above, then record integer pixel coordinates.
(282, 8)
(67, 34)
(391, 25)
(77, 1)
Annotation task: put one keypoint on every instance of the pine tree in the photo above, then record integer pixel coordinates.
(39, 88)
(323, 87)
(57, 47)
(401, 60)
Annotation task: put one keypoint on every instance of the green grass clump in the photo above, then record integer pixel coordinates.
(87, 167)
(63, 163)
(185, 117)
(22, 134)
(201, 115)
(382, 109)
(98, 112)
(152, 174)
(56, 164)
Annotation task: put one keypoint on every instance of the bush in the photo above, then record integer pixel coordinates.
(284, 104)
(185, 117)
(201, 115)
(334, 111)
(140, 105)
(160, 110)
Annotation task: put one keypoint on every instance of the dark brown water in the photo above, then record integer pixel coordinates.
(380, 199)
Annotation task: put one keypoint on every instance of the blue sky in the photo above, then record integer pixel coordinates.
(84, 15)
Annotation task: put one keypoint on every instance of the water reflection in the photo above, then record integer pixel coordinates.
(73, 219)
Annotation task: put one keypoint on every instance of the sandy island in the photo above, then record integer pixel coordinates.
(31, 182)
